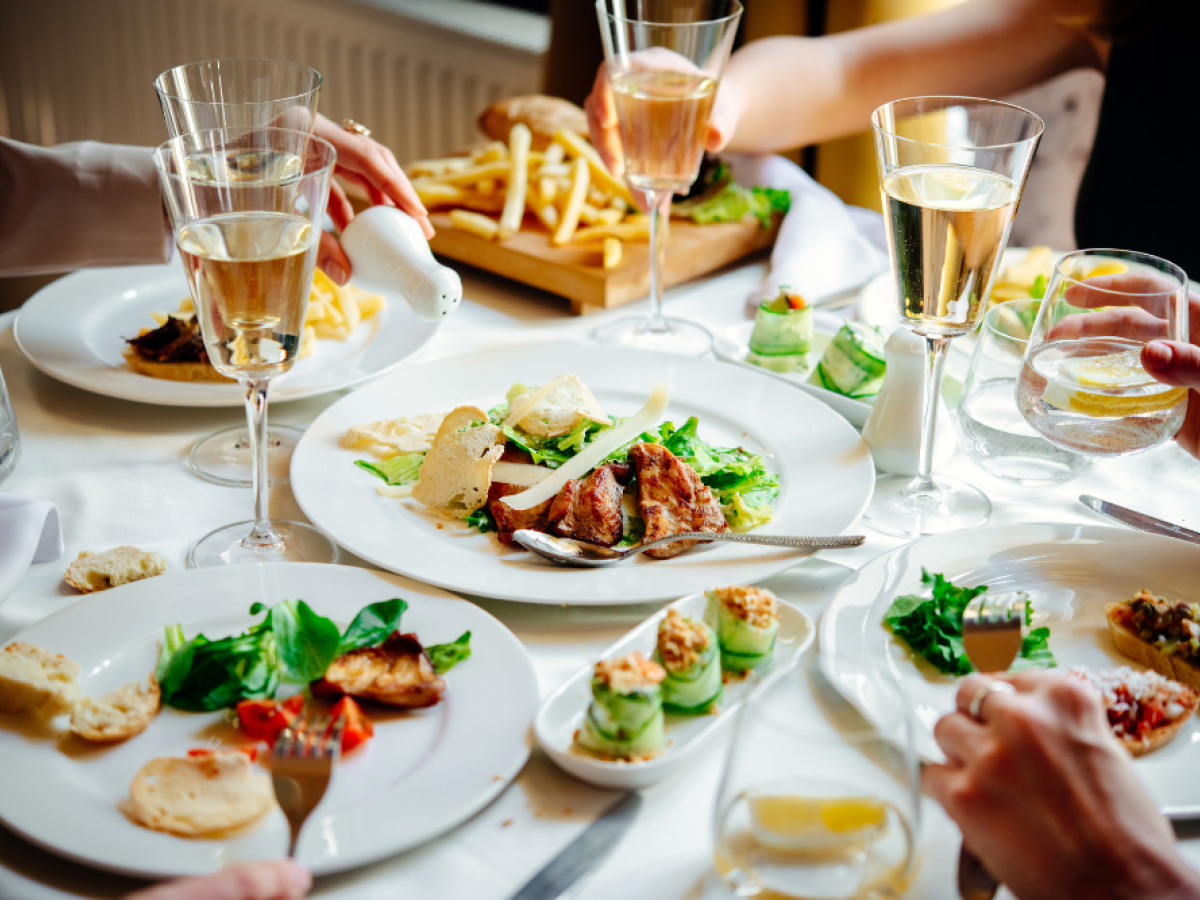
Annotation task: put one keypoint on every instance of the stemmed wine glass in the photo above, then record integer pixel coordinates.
(238, 95)
(664, 63)
(951, 172)
(246, 212)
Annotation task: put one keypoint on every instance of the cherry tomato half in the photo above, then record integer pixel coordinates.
(262, 720)
(358, 728)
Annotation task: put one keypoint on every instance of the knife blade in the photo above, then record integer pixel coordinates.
(1140, 521)
(564, 875)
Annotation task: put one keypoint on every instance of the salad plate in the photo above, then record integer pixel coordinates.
(75, 328)
(562, 712)
(1070, 572)
(824, 468)
(422, 773)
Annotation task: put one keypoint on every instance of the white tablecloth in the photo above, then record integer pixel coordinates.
(116, 471)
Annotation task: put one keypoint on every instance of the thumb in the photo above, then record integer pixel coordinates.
(1173, 363)
(722, 122)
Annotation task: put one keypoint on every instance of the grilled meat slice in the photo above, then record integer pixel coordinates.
(397, 673)
(176, 340)
(508, 519)
(672, 499)
(590, 510)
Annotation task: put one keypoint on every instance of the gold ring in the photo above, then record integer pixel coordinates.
(354, 128)
(975, 707)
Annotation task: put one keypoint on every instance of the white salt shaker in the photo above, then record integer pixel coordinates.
(893, 430)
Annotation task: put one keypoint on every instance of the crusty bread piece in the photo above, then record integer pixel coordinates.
(175, 371)
(194, 796)
(1130, 644)
(457, 471)
(1156, 737)
(37, 681)
(542, 114)
(560, 410)
(118, 715)
(121, 565)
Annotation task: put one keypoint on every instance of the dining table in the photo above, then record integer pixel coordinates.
(117, 472)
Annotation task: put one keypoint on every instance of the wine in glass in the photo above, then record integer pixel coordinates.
(1082, 385)
(249, 247)
(951, 172)
(238, 96)
(664, 64)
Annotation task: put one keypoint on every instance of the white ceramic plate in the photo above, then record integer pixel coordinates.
(562, 712)
(423, 772)
(1070, 572)
(825, 468)
(75, 328)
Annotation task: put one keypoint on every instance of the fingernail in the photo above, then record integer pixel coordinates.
(1157, 355)
(298, 880)
(335, 271)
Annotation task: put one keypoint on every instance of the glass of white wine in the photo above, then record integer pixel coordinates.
(246, 211)
(665, 59)
(815, 802)
(238, 96)
(951, 172)
(1082, 385)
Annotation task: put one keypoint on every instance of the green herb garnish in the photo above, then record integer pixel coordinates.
(446, 656)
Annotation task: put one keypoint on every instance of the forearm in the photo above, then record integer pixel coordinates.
(75, 205)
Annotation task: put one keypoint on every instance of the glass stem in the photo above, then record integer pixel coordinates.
(935, 365)
(262, 535)
(660, 209)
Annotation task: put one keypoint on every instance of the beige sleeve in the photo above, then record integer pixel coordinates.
(76, 205)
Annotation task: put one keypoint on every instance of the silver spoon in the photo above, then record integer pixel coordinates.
(569, 552)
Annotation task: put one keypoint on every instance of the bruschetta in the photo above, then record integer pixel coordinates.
(1145, 710)
(1158, 633)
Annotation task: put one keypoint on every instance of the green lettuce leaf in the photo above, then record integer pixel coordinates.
(403, 469)
(446, 656)
(372, 625)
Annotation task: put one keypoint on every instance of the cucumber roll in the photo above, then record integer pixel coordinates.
(783, 331)
(625, 718)
(688, 651)
(853, 364)
(746, 620)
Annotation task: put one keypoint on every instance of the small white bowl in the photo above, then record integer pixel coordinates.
(561, 714)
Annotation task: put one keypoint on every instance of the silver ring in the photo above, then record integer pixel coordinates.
(355, 128)
(975, 707)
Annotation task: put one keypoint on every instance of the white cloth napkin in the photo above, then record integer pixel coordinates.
(824, 246)
(30, 532)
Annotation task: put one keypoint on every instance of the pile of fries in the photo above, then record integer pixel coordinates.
(334, 312)
(566, 190)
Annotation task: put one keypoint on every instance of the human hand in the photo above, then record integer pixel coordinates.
(279, 879)
(1047, 798)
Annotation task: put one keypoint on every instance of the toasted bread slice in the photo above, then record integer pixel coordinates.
(37, 681)
(457, 470)
(194, 796)
(118, 715)
(397, 672)
(1131, 644)
(1127, 693)
(121, 565)
(175, 371)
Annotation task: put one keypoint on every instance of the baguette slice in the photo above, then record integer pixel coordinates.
(99, 571)
(195, 796)
(37, 681)
(118, 715)
(175, 371)
(1130, 643)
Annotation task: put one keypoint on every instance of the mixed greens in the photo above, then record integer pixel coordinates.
(932, 627)
(716, 198)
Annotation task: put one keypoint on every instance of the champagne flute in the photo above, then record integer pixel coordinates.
(246, 213)
(951, 172)
(664, 63)
(237, 96)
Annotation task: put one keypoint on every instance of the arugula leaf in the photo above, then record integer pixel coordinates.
(446, 656)
(372, 625)
(399, 470)
(306, 643)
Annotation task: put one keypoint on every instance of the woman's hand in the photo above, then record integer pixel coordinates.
(1178, 364)
(279, 879)
(1047, 798)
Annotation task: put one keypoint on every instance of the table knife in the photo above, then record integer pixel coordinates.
(563, 876)
(1140, 521)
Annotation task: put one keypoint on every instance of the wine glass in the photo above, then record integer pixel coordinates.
(951, 172)
(1082, 384)
(238, 95)
(816, 802)
(246, 213)
(664, 63)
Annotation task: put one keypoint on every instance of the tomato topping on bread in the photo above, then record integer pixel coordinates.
(1145, 710)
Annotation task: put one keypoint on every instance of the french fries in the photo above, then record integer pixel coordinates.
(519, 139)
(611, 257)
(580, 180)
(475, 223)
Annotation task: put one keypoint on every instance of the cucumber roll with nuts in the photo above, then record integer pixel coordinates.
(625, 718)
(746, 620)
(688, 651)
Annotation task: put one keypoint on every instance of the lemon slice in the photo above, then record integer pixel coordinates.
(797, 823)
(1082, 387)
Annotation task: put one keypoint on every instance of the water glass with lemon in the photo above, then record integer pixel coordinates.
(815, 802)
(1082, 384)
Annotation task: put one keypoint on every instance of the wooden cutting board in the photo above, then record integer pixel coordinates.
(576, 273)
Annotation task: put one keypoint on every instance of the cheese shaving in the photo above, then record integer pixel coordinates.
(522, 405)
(594, 453)
(520, 474)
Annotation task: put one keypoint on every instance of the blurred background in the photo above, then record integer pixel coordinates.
(419, 72)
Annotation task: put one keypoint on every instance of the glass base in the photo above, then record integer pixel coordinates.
(224, 456)
(679, 335)
(227, 546)
(952, 505)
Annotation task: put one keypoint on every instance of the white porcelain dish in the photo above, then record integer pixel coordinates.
(1070, 572)
(75, 328)
(825, 468)
(422, 774)
(562, 713)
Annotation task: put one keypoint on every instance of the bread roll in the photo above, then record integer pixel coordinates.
(542, 114)
(121, 565)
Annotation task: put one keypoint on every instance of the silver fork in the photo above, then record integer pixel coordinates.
(991, 631)
(302, 764)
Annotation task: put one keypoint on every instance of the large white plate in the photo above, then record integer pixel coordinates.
(1070, 571)
(825, 468)
(422, 774)
(75, 328)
